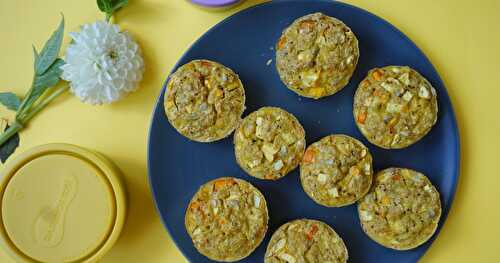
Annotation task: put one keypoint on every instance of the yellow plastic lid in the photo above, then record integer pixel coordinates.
(60, 203)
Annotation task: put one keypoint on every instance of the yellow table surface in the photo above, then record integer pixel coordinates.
(461, 38)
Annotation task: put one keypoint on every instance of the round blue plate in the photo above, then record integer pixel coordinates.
(244, 42)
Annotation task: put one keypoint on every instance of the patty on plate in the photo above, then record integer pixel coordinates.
(305, 240)
(227, 219)
(316, 55)
(402, 209)
(269, 143)
(395, 106)
(204, 100)
(336, 170)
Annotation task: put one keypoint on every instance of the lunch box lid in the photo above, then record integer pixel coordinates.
(60, 203)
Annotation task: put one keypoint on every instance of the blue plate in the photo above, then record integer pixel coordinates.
(244, 42)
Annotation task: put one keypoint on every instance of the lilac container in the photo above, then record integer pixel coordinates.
(215, 3)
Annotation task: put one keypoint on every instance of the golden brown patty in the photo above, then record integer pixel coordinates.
(402, 209)
(227, 219)
(204, 100)
(395, 107)
(336, 170)
(305, 240)
(269, 143)
(316, 55)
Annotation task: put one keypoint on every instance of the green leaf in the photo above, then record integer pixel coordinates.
(35, 56)
(10, 100)
(119, 4)
(9, 147)
(50, 50)
(101, 5)
(104, 5)
(50, 78)
(110, 6)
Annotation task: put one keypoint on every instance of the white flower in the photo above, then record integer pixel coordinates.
(102, 63)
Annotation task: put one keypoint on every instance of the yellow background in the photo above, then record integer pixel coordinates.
(461, 38)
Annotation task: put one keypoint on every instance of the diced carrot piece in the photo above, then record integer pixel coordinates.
(206, 64)
(195, 205)
(362, 117)
(269, 176)
(307, 24)
(309, 156)
(396, 177)
(281, 42)
(219, 184)
(377, 75)
(378, 92)
(365, 83)
(312, 232)
(197, 75)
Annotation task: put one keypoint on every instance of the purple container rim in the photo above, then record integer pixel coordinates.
(215, 3)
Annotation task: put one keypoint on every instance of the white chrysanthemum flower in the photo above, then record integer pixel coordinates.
(102, 63)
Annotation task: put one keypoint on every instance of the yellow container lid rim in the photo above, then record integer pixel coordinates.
(60, 202)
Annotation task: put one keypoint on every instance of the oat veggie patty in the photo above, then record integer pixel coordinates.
(316, 55)
(402, 209)
(395, 107)
(204, 100)
(336, 170)
(227, 219)
(305, 240)
(269, 143)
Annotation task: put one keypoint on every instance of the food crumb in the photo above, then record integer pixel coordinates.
(269, 62)
(271, 48)
(338, 110)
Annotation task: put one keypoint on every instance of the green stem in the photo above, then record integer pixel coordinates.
(21, 108)
(43, 104)
(108, 17)
(16, 126)
(26, 116)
